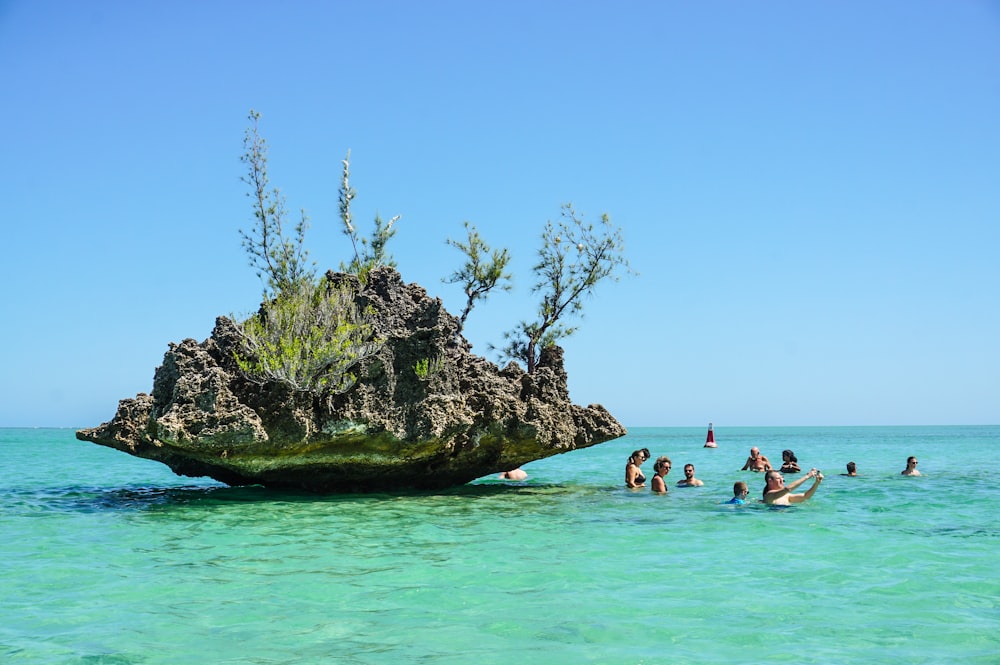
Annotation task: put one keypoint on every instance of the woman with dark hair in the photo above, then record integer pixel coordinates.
(789, 462)
(633, 474)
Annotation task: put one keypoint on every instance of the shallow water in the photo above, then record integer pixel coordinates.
(112, 559)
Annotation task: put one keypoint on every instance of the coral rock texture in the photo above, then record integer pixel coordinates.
(393, 430)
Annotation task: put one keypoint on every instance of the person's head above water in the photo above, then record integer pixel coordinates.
(639, 456)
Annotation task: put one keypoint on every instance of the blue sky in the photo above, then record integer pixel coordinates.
(810, 191)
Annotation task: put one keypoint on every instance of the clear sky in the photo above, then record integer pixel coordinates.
(810, 191)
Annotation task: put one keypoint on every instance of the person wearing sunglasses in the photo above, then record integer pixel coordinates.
(740, 491)
(911, 467)
(689, 480)
(633, 474)
(662, 467)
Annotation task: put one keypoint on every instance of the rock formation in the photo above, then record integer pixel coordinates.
(394, 429)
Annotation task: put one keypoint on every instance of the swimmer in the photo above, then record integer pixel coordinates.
(777, 493)
(756, 461)
(689, 480)
(789, 462)
(911, 467)
(740, 491)
(514, 474)
(662, 467)
(852, 469)
(633, 474)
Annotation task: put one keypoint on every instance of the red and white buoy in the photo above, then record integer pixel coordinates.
(710, 438)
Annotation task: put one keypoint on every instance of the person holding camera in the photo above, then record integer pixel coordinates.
(777, 493)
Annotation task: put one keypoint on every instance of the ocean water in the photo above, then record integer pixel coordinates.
(111, 559)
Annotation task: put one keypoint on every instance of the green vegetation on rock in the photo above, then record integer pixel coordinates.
(372, 251)
(484, 270)
(308, 338)
(310, 335)
(280, 261)
(575, 257)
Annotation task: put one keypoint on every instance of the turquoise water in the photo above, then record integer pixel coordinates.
(112, 559)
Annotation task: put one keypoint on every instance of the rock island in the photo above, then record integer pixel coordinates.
(423, 413)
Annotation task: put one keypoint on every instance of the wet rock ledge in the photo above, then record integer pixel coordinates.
(393, 430)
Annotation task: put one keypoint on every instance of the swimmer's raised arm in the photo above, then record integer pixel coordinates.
(777, 492)
(799, 498)
(795, 483)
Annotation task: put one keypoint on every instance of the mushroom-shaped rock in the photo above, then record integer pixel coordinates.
(422, 413)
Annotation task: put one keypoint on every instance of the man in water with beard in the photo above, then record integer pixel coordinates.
(689, 479)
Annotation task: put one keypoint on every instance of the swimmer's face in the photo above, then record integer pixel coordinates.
(689, 470)
(754, 453)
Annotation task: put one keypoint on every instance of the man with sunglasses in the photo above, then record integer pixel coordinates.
(911, 467)
(777, 493)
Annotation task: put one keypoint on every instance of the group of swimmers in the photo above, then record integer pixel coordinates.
(635, 478)
(776, 492)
